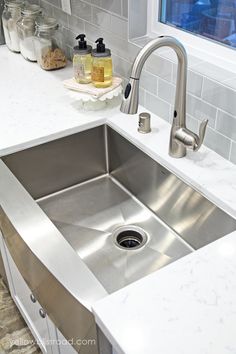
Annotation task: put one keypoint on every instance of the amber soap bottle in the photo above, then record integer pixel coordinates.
(101, 65)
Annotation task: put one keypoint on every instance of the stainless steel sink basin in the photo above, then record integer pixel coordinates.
(123, 214)
(93, 215)
(92, 183)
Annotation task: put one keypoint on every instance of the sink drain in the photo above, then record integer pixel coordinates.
(130, 237)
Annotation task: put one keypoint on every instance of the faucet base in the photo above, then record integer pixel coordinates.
(177, 150)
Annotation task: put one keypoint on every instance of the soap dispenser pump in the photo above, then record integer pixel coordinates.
(101, 48)
(101, 65)
(82, 60)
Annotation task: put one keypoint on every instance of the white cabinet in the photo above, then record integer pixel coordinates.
(33, 313)
(38, 322)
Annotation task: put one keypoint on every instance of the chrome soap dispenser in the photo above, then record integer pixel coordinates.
(82, 61)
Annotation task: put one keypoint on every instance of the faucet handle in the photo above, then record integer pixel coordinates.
(202, 132)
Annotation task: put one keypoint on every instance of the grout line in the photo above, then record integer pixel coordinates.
(221, 134)
(216, 120)
(122, 8)
(228, 114)
(230, 150)
(145, 97)
(203, 81)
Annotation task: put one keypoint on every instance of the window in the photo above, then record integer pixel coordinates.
(207, 28)
(214, 19)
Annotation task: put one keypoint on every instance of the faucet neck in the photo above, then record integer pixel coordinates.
(180, 136)
(180, 96)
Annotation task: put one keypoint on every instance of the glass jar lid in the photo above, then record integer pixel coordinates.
(31, 9)
(46, 23)
(14, 3)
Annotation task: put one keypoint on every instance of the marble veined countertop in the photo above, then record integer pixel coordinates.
(190, 305)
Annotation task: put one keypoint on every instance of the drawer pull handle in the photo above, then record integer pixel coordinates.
(32, 298)
(42, 313)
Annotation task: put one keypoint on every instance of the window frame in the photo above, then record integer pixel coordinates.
(197, 46)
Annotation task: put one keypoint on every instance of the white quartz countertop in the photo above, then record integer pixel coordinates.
(34, 105)
(186, 307)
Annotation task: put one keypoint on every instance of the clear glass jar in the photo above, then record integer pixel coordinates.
(82, 60)
(10, 16)
(49, 44)
(101, 65)
(26, 30)
(102, 71)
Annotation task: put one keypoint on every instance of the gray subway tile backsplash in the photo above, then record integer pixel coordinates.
(101, 18)
(112, 5)
(150, 81)
(81, 9)
(96, 2)
(48, 8)
(76, 24)
(121, 66)
(120, 25)
(157, 106)
(56, 3)
(166, 91)
(226, 124)
(218, 142)
(61, 16)
(125, 8)
(142, 96)
(212, 71)
(194, 83)
(233, 153)
(160, 67)
(208, 93)
(69, 37)
(192, 124)
(201, 110)
(219, 96)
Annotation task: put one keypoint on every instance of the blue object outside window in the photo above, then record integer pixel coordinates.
(214, 19)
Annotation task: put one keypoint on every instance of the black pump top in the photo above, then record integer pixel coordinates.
(101, 50)
(82, 46)
(82, 43)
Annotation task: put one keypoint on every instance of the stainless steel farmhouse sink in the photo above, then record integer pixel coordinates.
(89, 213)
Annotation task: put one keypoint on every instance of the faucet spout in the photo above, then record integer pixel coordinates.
(180, 137)
(131, 97)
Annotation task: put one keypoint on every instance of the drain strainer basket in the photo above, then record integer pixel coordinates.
(130, 237)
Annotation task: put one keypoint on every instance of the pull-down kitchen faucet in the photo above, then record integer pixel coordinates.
(180, 137)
